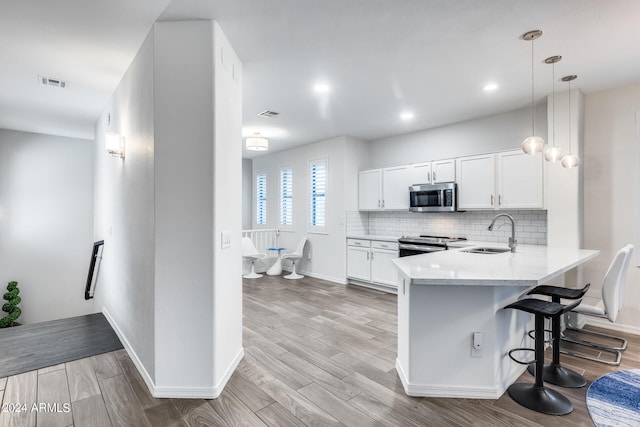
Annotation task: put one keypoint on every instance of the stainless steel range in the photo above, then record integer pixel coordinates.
(416, 245)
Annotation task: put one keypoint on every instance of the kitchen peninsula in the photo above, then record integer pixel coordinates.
(445, 298)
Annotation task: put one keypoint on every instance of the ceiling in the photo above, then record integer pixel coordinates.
(379, 58)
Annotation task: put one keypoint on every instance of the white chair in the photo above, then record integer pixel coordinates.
(249, 251)
(607, 307)
(295, 256)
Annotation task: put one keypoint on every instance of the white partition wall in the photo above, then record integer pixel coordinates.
(170, 290)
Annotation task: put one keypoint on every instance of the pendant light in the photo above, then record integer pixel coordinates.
(532, 144)
(256, 143)
(570, 160)
(551, 152)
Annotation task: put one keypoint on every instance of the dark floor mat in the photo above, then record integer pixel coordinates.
(29, 347)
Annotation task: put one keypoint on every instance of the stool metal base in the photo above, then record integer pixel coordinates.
(540, 399)
(558, 375)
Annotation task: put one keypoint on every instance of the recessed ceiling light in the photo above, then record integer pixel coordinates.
(490, 87)
(407, 115)
(321, 88)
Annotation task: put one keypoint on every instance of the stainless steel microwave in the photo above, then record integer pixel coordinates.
(433, 197)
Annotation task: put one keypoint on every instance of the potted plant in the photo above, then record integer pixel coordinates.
(11, 306)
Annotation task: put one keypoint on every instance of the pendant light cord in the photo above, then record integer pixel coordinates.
(533, 111)
(553, 100)
(570, 116)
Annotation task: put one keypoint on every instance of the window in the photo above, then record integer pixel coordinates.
(318, 196)
(286, 196)
(261, 198)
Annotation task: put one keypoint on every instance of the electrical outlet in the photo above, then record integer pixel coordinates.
(225, 239)
(309, 256)
(477, 344)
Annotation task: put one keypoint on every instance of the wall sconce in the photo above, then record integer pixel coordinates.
(114, 144)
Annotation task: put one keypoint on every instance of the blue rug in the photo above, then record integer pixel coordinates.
(614, 399)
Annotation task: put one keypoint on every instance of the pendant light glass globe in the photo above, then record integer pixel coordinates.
(532, 145)
(570, 161)
(553, 153)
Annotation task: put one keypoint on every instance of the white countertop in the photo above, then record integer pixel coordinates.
(530, 265)
(373, 237)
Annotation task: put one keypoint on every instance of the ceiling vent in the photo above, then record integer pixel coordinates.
(47, 81)
(268, 113)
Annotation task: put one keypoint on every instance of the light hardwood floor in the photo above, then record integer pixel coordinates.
(316, 354)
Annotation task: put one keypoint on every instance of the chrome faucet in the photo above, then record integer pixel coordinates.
(512, 240)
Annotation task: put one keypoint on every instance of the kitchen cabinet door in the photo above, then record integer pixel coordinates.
(443, 171)
(520, 180)
(420, 173)
(370, 190)
(382, 269)
(358, 263)
(476, 182)
(395, 188)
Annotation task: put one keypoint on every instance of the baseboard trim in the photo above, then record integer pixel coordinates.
(200, 392)
(374, 286)
(218, 388)
(605, 324)
(320, 276)
(427, 390)
(174, 392)
(132, 354)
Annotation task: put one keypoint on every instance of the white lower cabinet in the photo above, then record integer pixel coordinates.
(382, 269)
(369, 263)
(358, 263)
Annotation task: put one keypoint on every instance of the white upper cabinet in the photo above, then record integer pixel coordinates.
(370, 190)
(386, 189)
(508, 180)
(443, 171)
(420, 173)
(476, 182)
(435, 172)
(520, 180)
(395, 188)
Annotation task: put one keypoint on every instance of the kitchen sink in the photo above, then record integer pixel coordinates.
(486, 250)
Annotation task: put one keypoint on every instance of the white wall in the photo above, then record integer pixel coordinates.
(247, 185)
(184, 203)
(498, 132)
(46, 217)
(345, 156)
(611, 189)
(124, 210)
(173, 295)
(227, 209)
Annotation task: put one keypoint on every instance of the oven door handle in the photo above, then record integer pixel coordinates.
(421, 248)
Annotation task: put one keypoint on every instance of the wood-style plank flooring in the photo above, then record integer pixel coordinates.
(316, 354)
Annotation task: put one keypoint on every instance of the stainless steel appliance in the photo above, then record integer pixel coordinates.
(433, 197)
(417, 245)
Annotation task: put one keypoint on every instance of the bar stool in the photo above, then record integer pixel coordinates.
(553, 372)
(536, 396)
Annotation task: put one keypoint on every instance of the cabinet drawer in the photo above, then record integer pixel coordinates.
(359, 242)
(392, 246)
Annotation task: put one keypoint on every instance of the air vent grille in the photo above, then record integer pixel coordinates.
(48, 81)
(268, 113)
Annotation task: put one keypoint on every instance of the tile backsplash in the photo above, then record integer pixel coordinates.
(531, 225)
